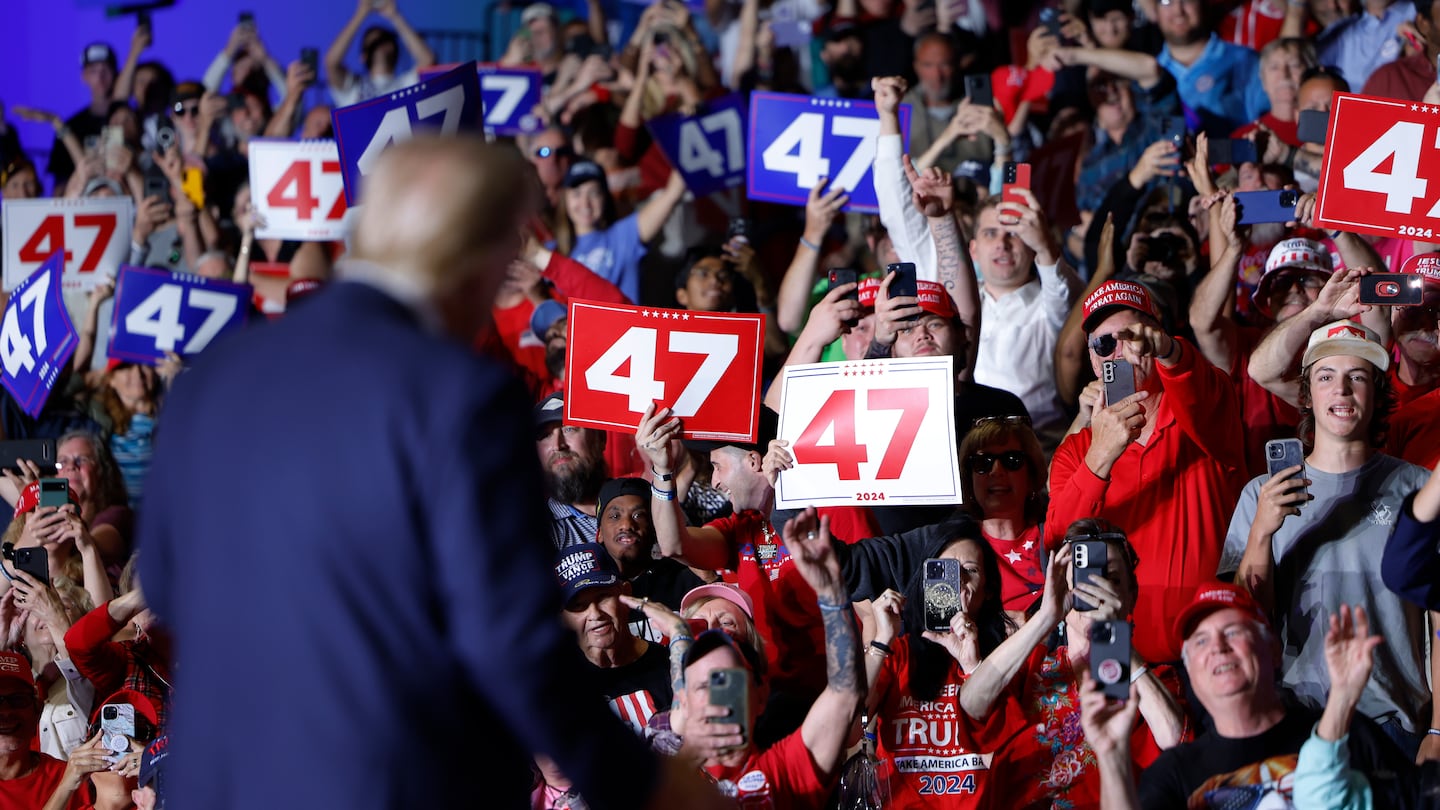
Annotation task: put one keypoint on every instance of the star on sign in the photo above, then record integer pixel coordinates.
(1012, 556)
(1414, 107)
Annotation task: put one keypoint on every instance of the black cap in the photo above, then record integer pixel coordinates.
(550, 409)
(583, 171)
(769, 425)
(711, 640)
(97, 52)
(615, 487)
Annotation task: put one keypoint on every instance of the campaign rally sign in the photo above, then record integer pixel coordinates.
(510, 95)
(36, 336)
(868, 433)
(703, 365)
(1381, 173)
(708, 148)
(448, 103)
(157, 312)
(297, 190)
(92, 234)
(796, 140)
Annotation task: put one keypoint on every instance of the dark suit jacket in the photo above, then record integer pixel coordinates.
(343, 527)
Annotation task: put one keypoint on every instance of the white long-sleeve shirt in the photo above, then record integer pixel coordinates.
(1018, 332)
(909, 230)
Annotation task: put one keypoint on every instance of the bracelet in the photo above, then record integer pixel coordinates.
(881, 646)
(1174, 348)
(826, 607)
(872, 650)
(662, 494)
(1435, 731)
(659, 476)
(1139, 673)
(809, 244)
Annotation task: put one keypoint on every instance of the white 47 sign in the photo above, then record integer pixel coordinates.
(873, 432)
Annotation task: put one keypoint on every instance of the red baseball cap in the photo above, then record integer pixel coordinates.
(1427, 265)
(30, 498)
(931, 296)
(14, 666)
(1217, 596)
(1113, 295)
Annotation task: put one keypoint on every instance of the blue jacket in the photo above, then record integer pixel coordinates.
(344, 530)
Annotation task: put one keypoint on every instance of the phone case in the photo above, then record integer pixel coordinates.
(979, 91)
(1282, 454)
(1110, 658)
(1312, 126)
(942, 593)
(731, 688)
(1017, 175)
(40, 451)
(1392, 289)
(33, 561)
(54, 492)
(1119, 379)
(1266, 206)
(117, 721)
(1088, 558)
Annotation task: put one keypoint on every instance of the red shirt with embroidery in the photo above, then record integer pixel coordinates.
(1022, 567)
(786, 613)
(1172, 496)
(1047, 763)
(782, 777)
(931, 751)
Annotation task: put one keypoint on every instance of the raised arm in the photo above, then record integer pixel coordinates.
(1323, 778)
(298, 76)
(1108, 724)
(1000, 667)
(1276, 360)
(1072, 359)
(908, 230)
(125, 82)
(826, 323)
(85, 346)
(652, 216)
(934, 196)
(705, 548)
(336, 74)
(630, 113)
(1215, 330)
(1139, 67)
(414, 43)
(793, 299)
(1411, 566)
(826, 728)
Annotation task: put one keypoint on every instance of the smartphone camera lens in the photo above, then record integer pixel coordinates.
(110, 713)
(1276, 453)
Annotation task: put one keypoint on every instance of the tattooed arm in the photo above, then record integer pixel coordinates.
(827, 728)
(673, 627)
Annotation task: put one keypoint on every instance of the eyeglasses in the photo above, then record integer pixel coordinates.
(551, 151)
(983, 463)
(1103, 345)
(183, 110)
(1009, 419)
(17, 700)
(76, 462)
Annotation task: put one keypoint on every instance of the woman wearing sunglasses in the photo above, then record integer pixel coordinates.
(1003, 483)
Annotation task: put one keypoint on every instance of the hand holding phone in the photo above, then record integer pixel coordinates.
(979, 90)
(1392, 289)
(1110, 657)
(942, 593)
(1284, 454)
(1266, 206)
(904, 283)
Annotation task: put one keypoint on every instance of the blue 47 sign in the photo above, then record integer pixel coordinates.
(36, 336)
(157, 312)
(708, 149)
(448, 103)
(796, 140)
(511, 96)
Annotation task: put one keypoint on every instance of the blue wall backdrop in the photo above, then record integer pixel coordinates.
(40, 61)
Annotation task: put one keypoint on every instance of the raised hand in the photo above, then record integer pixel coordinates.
(932, 190)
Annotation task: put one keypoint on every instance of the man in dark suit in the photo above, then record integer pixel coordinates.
(365, 612)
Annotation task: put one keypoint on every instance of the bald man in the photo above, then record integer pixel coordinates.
(367, 616)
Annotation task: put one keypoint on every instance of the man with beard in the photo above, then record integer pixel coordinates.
(1218, 80)
(573, 460)
(628, 535)
(548, 323)
(844, 56)
(933, 103)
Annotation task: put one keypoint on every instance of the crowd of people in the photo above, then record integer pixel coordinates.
(684, 640)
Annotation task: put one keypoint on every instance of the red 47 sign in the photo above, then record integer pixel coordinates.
(1381, 173)
(705, 366)
(93, 233)
(297, 189)
(873, 432)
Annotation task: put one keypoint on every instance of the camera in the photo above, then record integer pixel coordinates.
(1276, 451)
(1163, 248)
(109, 713)
(1289, 198)
(164, 137)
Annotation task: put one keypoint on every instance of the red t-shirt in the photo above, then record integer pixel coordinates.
(1405, 393)
(849, 524)
(1415, 431)
(931, 752)
(786, 613)
(1172, 496)
(30, 792)
(1256, 23)
(1265, 415)
(782, 777)
(1022, 567)
(1047, 763)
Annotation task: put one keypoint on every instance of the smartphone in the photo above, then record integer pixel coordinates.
(1266, 206)
(1232, 152)
(979, 91)
(1174, 130)
(157, 185)
(904, 283)
(1282, 454)
(1016, 175)
(1050, 18)
(247, 19)
(39, 451)
(33, 561)
(311, 58)
(164, 136)
(838, 276)
(1110, 658)
(1312, 126)
(1392, 289)
(117, 723)
(142, 18)
(731, 688)
(942, 593)
(54, 492)
(1088, 558)
(739, 229)
(1119, 379)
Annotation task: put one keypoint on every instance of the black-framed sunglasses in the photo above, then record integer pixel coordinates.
(1103, 345)
(983, 463)
(551, 151)
(183, 110)
(1009, 419)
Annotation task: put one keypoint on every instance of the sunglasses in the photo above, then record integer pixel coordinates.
(183, 110)
(1011, 419)
(1103, 345)
(551, 151)
(983, 463)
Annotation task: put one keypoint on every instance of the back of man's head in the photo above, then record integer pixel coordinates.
(441, 211)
